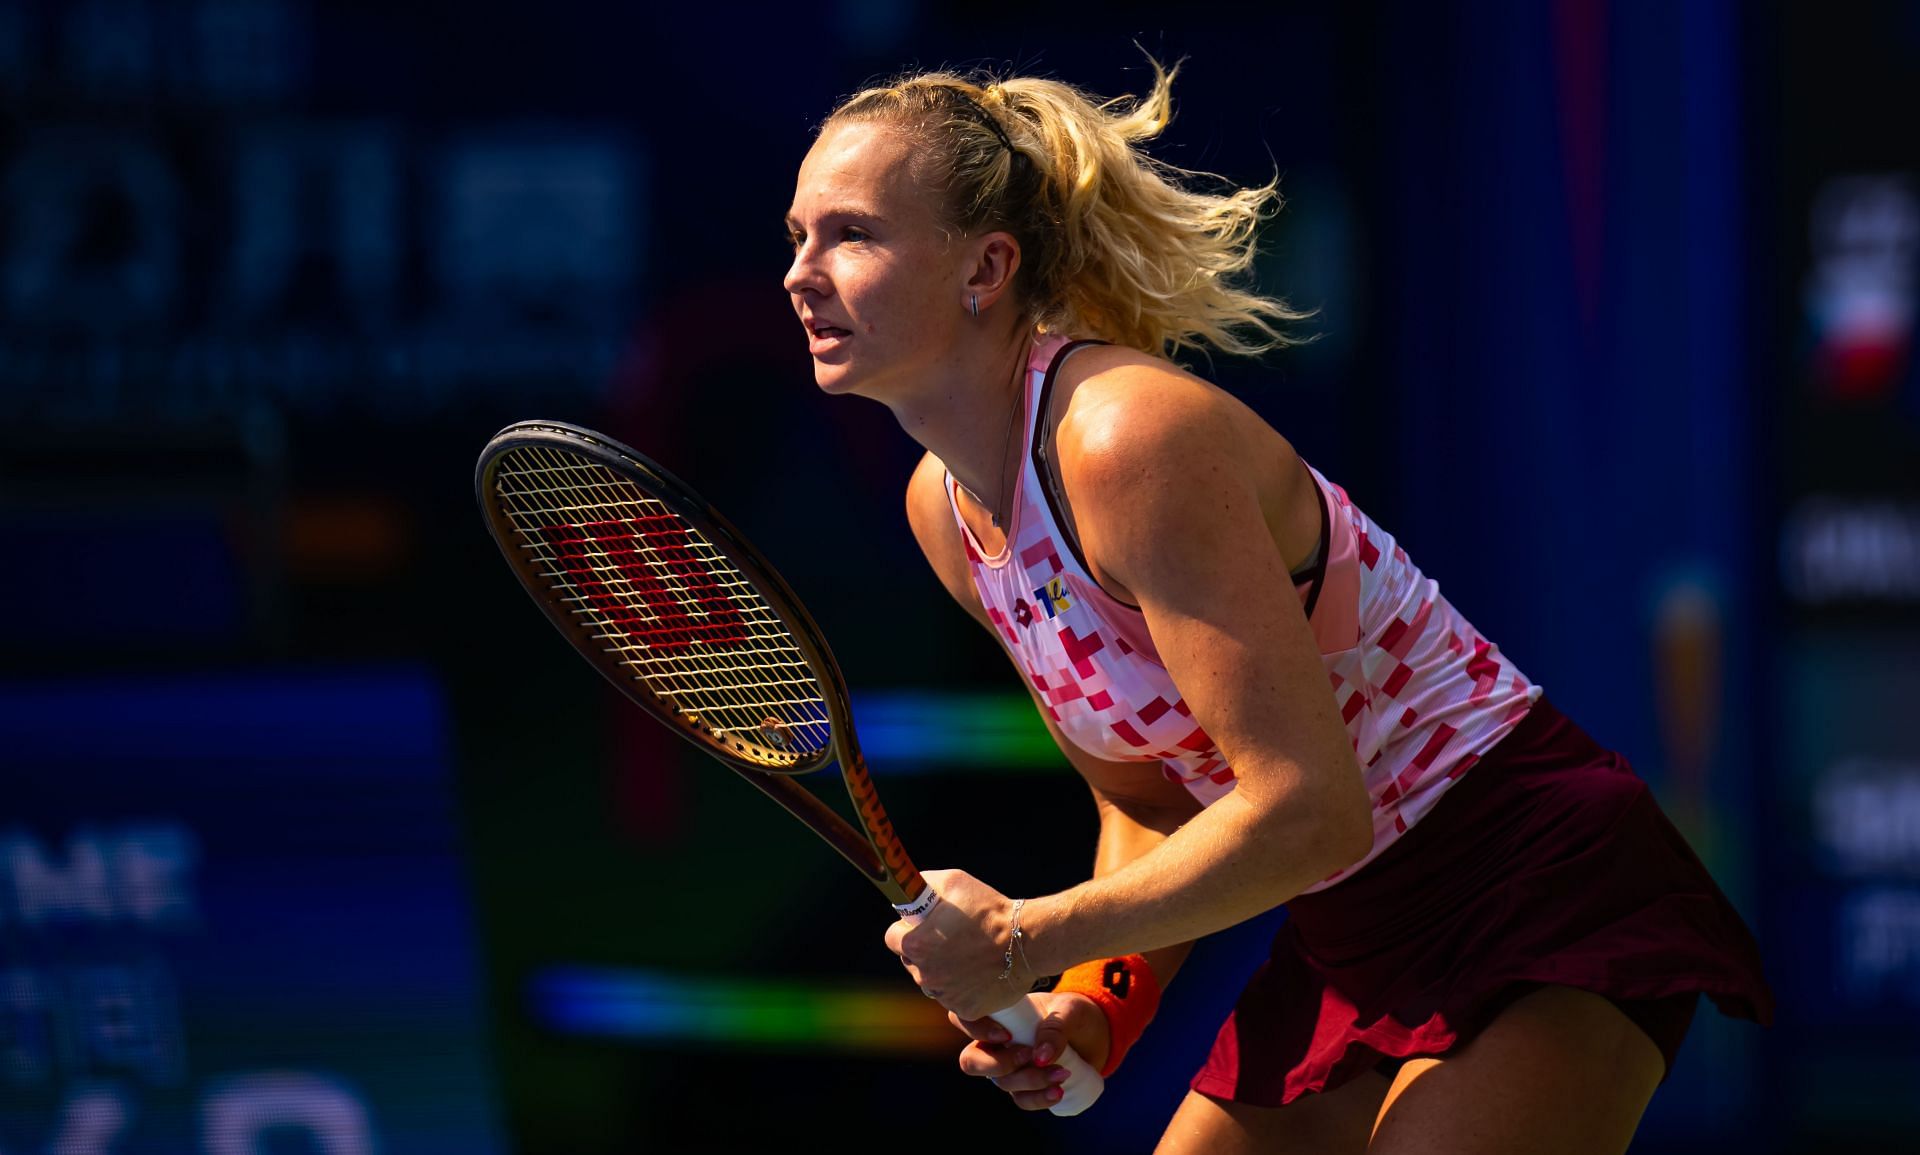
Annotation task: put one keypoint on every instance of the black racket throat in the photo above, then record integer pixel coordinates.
(867, 854)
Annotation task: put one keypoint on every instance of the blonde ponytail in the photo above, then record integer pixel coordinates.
(1112, 243)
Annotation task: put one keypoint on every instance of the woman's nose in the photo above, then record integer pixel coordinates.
(804, 273)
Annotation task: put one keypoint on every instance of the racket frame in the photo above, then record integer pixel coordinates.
(874, 849)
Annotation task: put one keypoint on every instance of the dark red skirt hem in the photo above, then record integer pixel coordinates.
(1548, 863)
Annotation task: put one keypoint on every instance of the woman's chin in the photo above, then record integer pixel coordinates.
(834, 379)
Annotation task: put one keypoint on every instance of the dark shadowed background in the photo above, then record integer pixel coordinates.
(314, 837)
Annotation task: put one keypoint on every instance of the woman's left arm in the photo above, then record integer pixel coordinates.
(1168, 507)
(1167, 503)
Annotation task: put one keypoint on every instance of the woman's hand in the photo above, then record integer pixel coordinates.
(957, 952)
(1028, 1074)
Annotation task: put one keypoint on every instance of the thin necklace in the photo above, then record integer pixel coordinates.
(1006, 444)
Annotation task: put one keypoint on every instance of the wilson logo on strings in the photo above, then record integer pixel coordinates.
(643, 578)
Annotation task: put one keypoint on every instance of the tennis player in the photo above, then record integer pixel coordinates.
(1495, 940)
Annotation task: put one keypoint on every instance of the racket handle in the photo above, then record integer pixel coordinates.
(1022, 1021)
(1083, 1084)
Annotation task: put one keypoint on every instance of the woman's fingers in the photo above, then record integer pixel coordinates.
(1011, 1069)
(993, 1055)
(984, 1062)
(980, 1030)
(1037, 1100)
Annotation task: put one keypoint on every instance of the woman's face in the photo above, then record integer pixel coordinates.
(874, 279)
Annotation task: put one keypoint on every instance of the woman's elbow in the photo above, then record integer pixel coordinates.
(1353, 840)
(1325, 831)
(1345, 829)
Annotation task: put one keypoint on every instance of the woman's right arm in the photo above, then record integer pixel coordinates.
(1138, 808)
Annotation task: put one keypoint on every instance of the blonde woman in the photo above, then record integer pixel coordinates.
(1495, 940)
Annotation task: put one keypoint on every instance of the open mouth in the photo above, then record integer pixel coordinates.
(826, 337)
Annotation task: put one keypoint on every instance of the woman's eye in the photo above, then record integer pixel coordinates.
(857, 235)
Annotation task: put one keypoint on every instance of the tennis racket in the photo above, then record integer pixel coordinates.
(669, 601)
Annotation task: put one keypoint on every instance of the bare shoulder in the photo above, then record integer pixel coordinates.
(1124, 406)
(1151, 456)
(931, 519)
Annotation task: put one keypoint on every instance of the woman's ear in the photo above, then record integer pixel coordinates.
(993, 259)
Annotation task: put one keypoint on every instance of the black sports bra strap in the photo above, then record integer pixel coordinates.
(1057, 502)
(1317, 573)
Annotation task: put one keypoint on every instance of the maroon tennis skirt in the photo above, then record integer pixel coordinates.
(1549, 862)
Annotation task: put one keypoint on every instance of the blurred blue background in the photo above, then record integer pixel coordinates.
(313, 837)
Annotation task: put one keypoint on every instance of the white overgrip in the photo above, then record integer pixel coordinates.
(1083, 1084)
(1022, 1021)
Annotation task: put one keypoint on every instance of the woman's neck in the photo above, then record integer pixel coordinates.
(970, 417)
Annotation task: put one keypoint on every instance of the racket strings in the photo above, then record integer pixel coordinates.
(735, 694)
(595, 560)
(672, 608)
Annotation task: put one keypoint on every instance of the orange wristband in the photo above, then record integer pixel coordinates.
(1125, 991)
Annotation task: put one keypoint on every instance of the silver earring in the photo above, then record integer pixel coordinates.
(976, 304)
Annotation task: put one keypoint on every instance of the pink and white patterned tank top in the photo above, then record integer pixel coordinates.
(1422, 694)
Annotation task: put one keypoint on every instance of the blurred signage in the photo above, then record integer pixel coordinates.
(1836, 549)
(180, 246)
(1867, 821)
(1860, 293)
(204, 52)
(233, 916)
(1842, 914)
(125, 303)
(1867, 817)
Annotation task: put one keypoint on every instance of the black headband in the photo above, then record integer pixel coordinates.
(988, 119)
